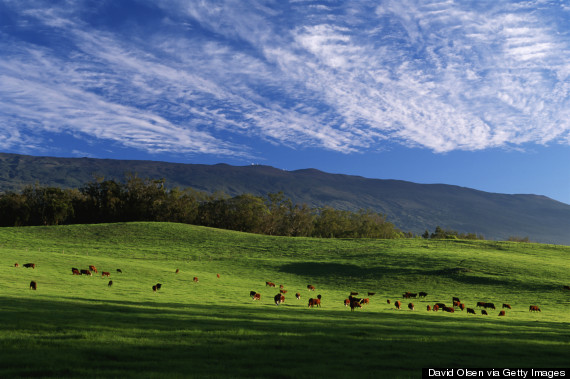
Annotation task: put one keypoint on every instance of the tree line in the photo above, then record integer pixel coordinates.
(137, 199)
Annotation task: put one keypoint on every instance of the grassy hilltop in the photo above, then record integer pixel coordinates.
(76, 326)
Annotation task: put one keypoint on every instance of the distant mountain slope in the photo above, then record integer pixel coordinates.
(410, 206)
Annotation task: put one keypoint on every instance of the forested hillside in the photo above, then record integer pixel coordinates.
(409, 206)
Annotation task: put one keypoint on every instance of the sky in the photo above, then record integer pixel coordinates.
(474, 93)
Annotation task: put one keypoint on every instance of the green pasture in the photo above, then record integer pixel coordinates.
(78, 326)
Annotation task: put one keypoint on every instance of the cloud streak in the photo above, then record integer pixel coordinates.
(341, 76)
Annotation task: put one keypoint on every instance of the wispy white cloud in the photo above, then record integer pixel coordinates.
(343, 76)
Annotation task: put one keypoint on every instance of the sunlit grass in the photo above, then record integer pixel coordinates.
(78, 326)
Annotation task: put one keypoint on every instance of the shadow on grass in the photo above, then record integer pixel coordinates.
(83, 337)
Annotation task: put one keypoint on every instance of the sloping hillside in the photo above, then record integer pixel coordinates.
(410, 206)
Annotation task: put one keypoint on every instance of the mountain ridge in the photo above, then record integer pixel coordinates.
(410, 206)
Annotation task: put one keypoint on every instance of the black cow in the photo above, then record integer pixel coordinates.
(33, 285)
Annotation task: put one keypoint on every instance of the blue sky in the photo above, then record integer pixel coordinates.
(471, 93)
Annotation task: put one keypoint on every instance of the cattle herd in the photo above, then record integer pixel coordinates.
(352, 301)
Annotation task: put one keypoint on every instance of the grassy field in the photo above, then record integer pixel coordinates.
(78, 326)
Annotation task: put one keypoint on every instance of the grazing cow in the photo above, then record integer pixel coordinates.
(489, 305)
(298, 296)
(314, 303)
(278, 299)
(462, 306)
(16, 264)
(177, 271)
(441, 305)
(353, 293)
(436, 308)
(28, 265)
(256, 296)
(75, 271)
(470, 310)
(283, 291)
(270, 284)
(281, 286)
(388, 301)
(422, 294)
(110, 283)
(86, 272)
(310, 287)
(105, 273)
(565, 287)
(218, 276)
(346, 302)
(481, 303)
(398, 304)
(153, 288)
(252, 293)
(355, 304)
(158, 286)
(365, 301)
(94, 269)
(484, 312)
(33, 285)
(456, 299)
(534, 308)
(506, 306)
(119, 271)
(449, 309)
(371, 293)
(195, 279)
(502, 313)
(456, 303)
(411, 306)
(429, 307)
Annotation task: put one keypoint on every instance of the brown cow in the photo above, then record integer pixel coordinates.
(441, 305)
(256, 296)
(429, 307)
(28, 265)
(278, 299)
(411, 306)
(456, 303)
(195, 279)
(310, 287)
(75, 271)
(506, 306)
(298, 296)
(153, 288)
(355, 304)
(283, 291)
(177, 271)
(314, 303)
(218, 276)
(436, 308)
(365, 301)
(502, 313)
(270, 284)
(534, 308)
(470, 310)
(105, 273)
(481, 303)
(33, 285)
(93, 268)
(484, 312)
(110, 283)
(462, 306)
(398, 304)
(16, 264)
(346, 302)
(449, 309)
